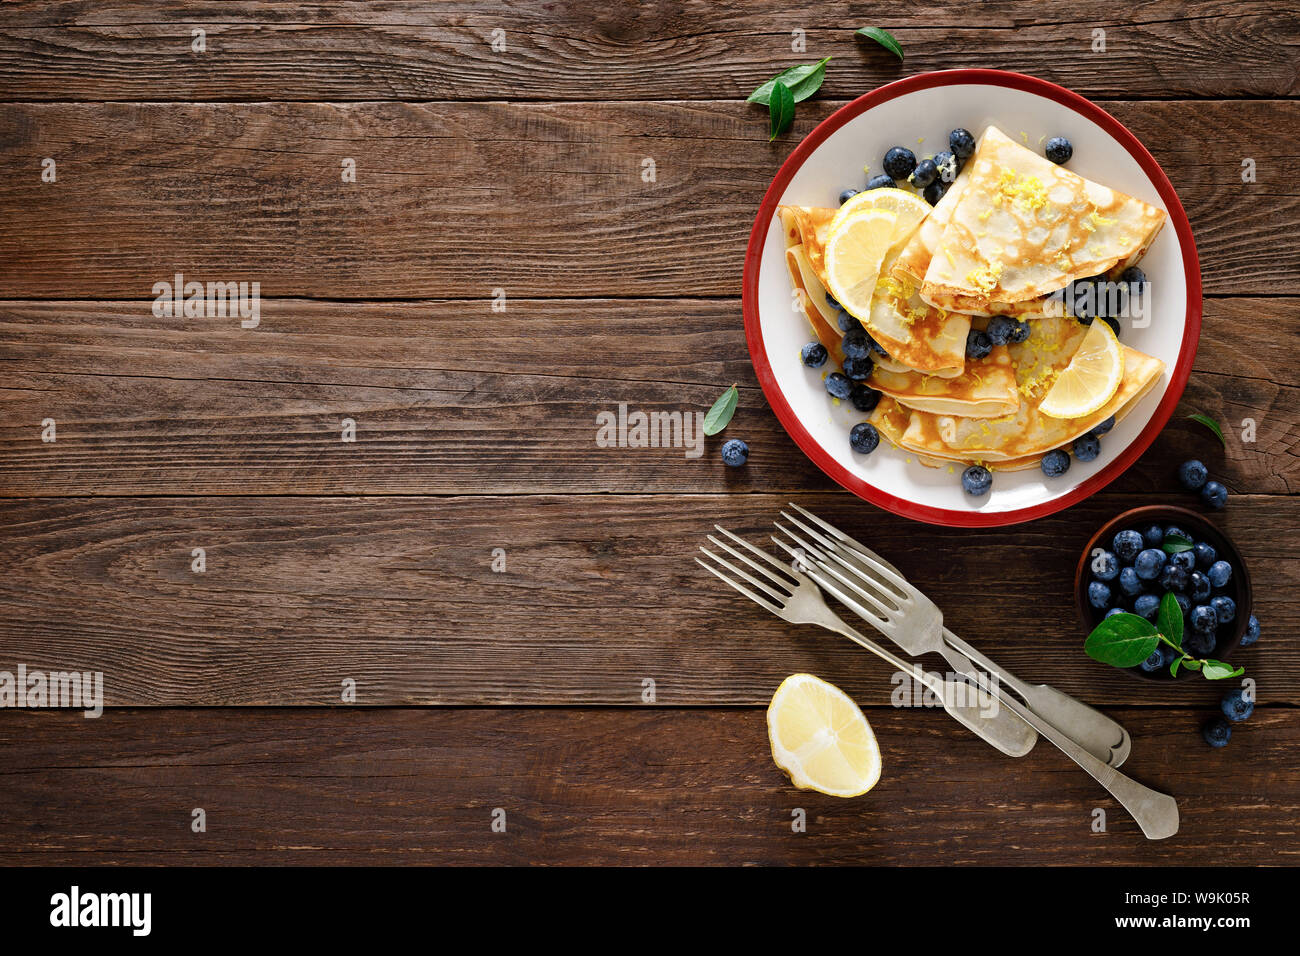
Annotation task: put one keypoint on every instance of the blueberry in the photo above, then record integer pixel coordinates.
(1199, 643)
(734, 453)
(1126, 545)
(934, 192)
(1004, 330)
(877, 347)
(1236, 705)
(838, 385)
(1193, 475)
(1105, 567)
(1099, 595)
(856, 343)
(864, 397)
(976, 480)
(977, 344)
(925, 173)
(1217, 732)
(1113, 323)
(899, 162)
(1173, 577)
(1055, 463)
(1205, 554)
(1059, 150)
(1113, 611)
(1220, 573)
(814, 355)
(1252, 632)
(858, 369)
(1132, 275)
(1184, 603)
(1185, 560)
(880, 181)
(1214, 495)
(847, 195)
(846, 322)
(1204, 619)
(864, 438)
(1173, 529)
(1225, 608)
(962, 143)
(1087, 447)
(1104, 427)
(1149, 563)
(1153, 535)
(949, 166)
(1154, 663)
(1129, 582)
(835, 305)
(1147, 606)
(1198, 586)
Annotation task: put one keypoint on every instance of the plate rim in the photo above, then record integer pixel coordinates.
(931, 514)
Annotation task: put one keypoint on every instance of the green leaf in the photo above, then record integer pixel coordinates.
(1218, 670)
(803, 81)
(1191, 663)
(780, 111)
(884, 38)
(1176, 543)
(1122, 640)
(1211, 424)
(1170, 619)
(1173, 668)
(720, 414)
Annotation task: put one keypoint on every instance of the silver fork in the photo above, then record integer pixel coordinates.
(911, 620)
(793, 597)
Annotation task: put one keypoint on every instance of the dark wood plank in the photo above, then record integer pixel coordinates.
(610, 787)
(178, 406)
(542, 200)
(598, 594)
(660, 50)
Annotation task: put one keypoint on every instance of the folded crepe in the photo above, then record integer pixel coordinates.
(986, 388)
(1019, 439)
(1021, 227)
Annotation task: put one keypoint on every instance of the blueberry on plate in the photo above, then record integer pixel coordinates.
(1217, 732)
(1153, 535)
(858, 368)
(856, 343)
(1105, 567)
(1004, 330)
(1198, 586)
(1225, 608)
(1113, 611)
(1154, 663)
(838, 385)
(1184, 603)
(864, 438)
(880, 181)
(1132, 276)
(1252, 632)
(1204, 619)
(1219, 574)
(934, 192)
(1237, 705)
(977, 480)
(1173, 577)
(846, 322)
(1185, 560)
(1104, 427)
(1214, 495)
(1055, 463)
(1147, 606)
(1087, 447)
(977, 344)
(1193, 475)
(1099, 595)
(847, 195)
(1148, 564)
(1059, 150)
(1129, 582)
(899, 162)
(925, 173)
(864, 397)
(949, 166)
(1199, 643)
(1205, 554)
(962, 143)
(814, 355)
(734, 453)
(1126, 545)
(834, 304)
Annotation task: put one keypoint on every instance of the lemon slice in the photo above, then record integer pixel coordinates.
(1092, 377)
(855, 247)
(909, 207)
(821, 739)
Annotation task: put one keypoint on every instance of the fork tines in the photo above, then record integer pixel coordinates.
(776, 588)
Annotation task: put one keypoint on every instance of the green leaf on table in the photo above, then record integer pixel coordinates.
(1218, 670)
(1211, 424)
(1176, 543)
(720, 414)
(1122, 640)
(1170, 619)
(884, 38)
(780, 111)
(802, 81)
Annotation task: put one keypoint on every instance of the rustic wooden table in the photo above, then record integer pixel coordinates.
(496, 586)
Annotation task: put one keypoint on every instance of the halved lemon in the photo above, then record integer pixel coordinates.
(909, 207)
(855, 247)
(1092, 377)
(821, 739)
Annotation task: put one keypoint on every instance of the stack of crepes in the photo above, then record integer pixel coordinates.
(1012, 229)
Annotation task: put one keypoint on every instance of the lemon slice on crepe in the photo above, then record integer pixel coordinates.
(909, 207)
(1092, 377)
(856, 245)
(821, 739)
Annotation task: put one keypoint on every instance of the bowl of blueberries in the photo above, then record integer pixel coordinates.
(1138, 556)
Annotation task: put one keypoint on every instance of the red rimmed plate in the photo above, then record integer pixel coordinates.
(918, 112)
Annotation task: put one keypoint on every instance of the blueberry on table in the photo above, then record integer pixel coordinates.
(1173, 577)
(1154, 663)
(1198, 586)
(856, 343)
(1219, 574)
(864, 397)
(1153, 535)
(1214, 495)
(847, 195)
(1126, 545)
(977, 344)
(1104, 427)
(977, 480)
(1003, 330)
(858, 369)
(1129, 582)
(1099, 595)
(1055, 463)
(1237, 705)
(1105, 567)
(1147, 606)
(1087, 447)
(1225, 608)
(864, 438)
(1252, 632)
(1185, 560)
(1204, 619)
(962, 143)
(814, 355)
(934, 192)
(1205, 554)
(734, 453)
(838, 385)
(880, 181)
(1149, 563)
(1059, 150)
(1132, 276)
(899, 162)
(1184, 603)
(1193, 475)
(1217, 732)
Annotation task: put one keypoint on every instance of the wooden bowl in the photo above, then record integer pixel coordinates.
(1200, 528)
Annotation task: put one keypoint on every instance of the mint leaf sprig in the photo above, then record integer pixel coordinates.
(1126, 640)
(719, 416)
(783, 91)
